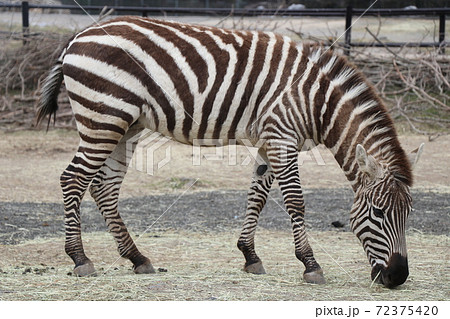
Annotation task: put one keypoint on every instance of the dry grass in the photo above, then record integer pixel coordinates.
(206, 266)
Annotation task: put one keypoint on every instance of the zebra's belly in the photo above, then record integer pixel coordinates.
(210, 135)
(240, 138)
(210, 132)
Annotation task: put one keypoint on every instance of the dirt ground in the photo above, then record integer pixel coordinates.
(32, 161)
(211, 211)
(195, 239)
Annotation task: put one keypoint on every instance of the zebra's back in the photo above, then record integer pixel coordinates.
(190, 82)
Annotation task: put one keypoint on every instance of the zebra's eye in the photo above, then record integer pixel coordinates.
(378, 212)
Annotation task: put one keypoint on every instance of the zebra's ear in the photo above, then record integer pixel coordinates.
(367, 164)
(414, 156)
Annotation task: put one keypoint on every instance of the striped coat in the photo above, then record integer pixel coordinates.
(194, 82)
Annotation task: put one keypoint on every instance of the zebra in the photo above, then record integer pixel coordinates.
(191, 82)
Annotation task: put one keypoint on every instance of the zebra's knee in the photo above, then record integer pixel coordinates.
(74, 180)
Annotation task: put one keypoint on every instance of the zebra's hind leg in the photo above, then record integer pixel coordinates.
(256, 199)
(105, 189)
(96, 145)
(74, 181)
(284, 161)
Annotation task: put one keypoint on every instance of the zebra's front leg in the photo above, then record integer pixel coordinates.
(105, 189)
(256, 199)
(284, 161)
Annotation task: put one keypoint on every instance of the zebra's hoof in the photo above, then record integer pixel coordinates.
(85, 270)
(145, 268)
(314, 277)
(256, 268)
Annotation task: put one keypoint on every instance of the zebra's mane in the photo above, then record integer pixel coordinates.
(378, 136)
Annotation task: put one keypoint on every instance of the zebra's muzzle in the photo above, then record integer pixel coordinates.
(394, 274)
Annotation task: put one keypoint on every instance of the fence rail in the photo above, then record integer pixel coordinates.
(348, 13)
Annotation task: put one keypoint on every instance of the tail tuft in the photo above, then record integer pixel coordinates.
(48, 101)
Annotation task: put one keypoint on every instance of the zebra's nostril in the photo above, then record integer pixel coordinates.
(387, 279)
(397, 271)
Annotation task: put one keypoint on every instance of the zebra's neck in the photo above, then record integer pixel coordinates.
(343, 110)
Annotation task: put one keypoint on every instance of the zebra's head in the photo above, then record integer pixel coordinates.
(378, 217)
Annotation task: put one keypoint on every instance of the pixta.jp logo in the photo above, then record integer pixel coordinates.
(151, 151)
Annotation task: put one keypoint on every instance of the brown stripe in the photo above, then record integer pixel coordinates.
(291, 118)
(93, 140)
(257, 65)
(87, 150)
(242, 60)
(222, 60)
(319, 103)
(282, 130)
(306, 130)
(190, 52)
(94, 125)
(102, 85)
(122, 60)
(309, 82)
(101, 108)
(332, 102)
(118, 58)
(225, 35)
(169, 65)
(339, 65)
(287, 69)
(274, 61)
(319, 98)
(83, 162)
(92, 158)
(340, 123)
(343, 149)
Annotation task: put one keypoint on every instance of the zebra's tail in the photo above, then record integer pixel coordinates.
(48, 99)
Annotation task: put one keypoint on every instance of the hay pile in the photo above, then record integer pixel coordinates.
(207, 266)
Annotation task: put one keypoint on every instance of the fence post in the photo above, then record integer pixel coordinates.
(348, 29)
(442, 33)
(25, 21)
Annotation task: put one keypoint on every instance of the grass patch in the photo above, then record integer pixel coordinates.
(207, 266)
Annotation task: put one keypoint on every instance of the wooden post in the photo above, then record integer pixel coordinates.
(442, 33)
(25, 21)
(348, 29)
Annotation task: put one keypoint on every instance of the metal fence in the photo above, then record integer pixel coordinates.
(348, 13)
